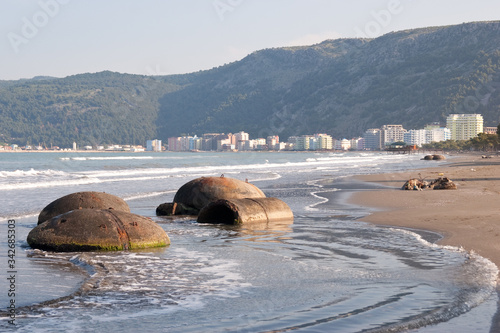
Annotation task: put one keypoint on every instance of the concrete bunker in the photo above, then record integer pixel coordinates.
(97, 230)
(222, 200)
(196, 194)
(247, 210)
(80, 200)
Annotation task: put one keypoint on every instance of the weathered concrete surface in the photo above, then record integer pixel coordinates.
(79, 200)
(173, 208)
(247, 210)
(95, 230)
(434, 157)
(438, 157)
(198, 193)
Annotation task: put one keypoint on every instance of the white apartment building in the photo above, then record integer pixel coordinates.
(242, 136)
(302, 142)
(322, 142)
(392, 133)
(437, 134)
(343, 144)
(153, 145)
(416, 137)
(464, 126)
(357, 144)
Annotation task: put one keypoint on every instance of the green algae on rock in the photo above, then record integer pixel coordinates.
(97, 230)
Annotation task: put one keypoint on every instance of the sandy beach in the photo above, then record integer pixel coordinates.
(468, 216)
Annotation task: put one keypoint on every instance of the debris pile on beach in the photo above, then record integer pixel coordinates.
(441, 183)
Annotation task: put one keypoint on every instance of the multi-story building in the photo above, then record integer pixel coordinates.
(153, 145)
(303, 142)
(415, 137)
(357, 144)
(343, 144)
(322, 142)
(272, 141)
(437, 134)
(464, 126)
(391, 134)
(373, 139)
(490, 130)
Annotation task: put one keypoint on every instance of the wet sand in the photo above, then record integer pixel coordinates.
(468, 216)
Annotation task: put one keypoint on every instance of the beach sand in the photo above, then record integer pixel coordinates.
(467, 217)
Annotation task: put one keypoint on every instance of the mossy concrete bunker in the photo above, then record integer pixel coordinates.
(247, 210)
(94, 221)
(97, 230)
(80, 200)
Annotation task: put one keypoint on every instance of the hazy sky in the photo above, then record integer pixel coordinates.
(158, 37)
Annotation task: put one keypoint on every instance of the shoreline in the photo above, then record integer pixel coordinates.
(468, 217)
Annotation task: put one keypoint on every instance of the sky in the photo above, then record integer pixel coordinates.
(161, 37)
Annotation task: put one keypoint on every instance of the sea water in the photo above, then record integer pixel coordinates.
(323, 272)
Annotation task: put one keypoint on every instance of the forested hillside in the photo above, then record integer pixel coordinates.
(341, 87)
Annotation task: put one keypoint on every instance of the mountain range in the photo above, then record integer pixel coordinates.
(341, 87)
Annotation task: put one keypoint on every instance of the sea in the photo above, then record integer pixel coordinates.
(325, 271)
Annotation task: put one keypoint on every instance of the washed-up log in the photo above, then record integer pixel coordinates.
(80, 200)
(97, 230)
(238, 211)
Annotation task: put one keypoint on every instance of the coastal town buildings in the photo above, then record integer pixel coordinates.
(153, 145)
(392, 133)
(459, 127)
(357, 144)
(343, 144)
(322, 142)
(373, 139)
(464, 126)
(490, 130)
(415, 137)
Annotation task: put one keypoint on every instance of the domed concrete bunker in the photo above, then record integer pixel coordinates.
(97, 230)
(196, 194)
(79, 200)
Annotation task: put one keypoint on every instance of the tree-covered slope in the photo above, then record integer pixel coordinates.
(88, 108)
(341, 87)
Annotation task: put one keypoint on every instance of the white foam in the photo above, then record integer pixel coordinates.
(30, 173)
(147, 195)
